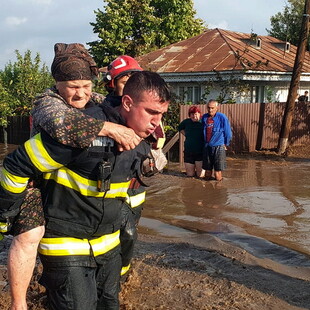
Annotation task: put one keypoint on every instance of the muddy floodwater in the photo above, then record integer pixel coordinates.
(261, 206)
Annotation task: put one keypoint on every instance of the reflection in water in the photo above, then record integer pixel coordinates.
(298, 207)
(203, 202)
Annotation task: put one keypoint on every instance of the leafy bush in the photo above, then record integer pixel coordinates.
(20, 83)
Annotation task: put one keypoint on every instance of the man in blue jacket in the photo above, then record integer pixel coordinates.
(217, 135)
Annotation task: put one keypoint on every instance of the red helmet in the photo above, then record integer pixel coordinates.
(122, 65)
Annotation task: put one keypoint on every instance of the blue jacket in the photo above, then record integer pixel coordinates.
(221, 133)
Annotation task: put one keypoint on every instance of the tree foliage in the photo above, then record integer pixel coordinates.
(135, 27)
(286, 25)
(6, 105)
(171, 119)
(20, 82)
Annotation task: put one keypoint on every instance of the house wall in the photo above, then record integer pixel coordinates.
(260, 91)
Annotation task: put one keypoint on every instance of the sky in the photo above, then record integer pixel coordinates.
(36, 25)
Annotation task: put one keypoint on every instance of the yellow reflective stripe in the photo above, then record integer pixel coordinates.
(3, 227)
(75, 246)
(39, 156)
(125, 269)
(105, 243)
(64, 246)
(118, 190)
(13, 183)
(137, 200)
(86, 187)
(1, 237)
(68, 178)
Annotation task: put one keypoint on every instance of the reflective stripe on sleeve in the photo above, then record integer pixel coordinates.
(136, 200)
(75, 246)
(3, 227)
(86, 187)
(13, 183)
(39, 156)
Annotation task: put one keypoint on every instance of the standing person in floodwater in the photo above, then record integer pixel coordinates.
(192, 129)
(217, 135)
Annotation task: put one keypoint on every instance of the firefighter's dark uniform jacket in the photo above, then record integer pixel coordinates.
(136, 193)
(130, 212)
(82, 222)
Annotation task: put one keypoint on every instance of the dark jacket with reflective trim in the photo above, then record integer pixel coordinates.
(136, 189)
(71, 209)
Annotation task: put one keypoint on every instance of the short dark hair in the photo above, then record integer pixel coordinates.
(147, 81)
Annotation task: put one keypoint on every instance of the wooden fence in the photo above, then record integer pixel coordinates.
(18, 130)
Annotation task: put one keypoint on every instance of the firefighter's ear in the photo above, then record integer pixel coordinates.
(127, 102)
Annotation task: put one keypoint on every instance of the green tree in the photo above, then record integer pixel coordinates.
(135, 27)
(286, 25)
(177, 21)
(23, 80)
(6, 106)
(171, 119)
(230, 89)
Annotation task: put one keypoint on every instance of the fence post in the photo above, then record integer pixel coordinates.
(5, 135)
(260, 129)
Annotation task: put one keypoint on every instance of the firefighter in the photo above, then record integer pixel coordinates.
(54, 112)
(119, 71)
(116, 76)
(83, 192)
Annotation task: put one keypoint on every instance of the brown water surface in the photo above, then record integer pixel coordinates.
(262, 206)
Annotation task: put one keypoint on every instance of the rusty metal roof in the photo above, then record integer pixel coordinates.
(223, 50)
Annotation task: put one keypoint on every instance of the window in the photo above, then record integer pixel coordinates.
(260, 94)
(190, 94)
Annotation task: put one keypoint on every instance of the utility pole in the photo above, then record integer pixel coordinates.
(299, 59)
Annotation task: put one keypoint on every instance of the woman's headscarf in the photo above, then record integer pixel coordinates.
(73, 62)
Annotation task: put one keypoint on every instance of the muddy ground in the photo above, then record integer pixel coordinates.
(177, 274)
(174, 274)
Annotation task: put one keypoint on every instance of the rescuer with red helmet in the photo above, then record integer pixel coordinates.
(119, 71)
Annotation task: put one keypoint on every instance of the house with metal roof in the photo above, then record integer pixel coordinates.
(228, 66)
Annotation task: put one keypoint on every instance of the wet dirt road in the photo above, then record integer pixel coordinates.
(262, 206)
